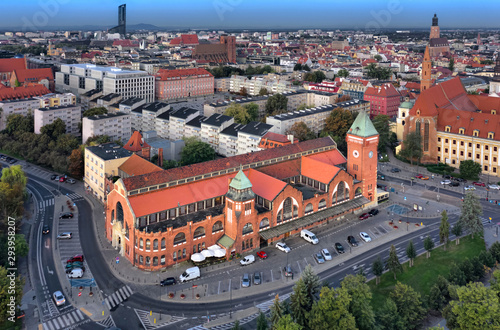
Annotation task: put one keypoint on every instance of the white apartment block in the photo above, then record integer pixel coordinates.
(149, 113)
(116, 125)
(211, 128)
(254, 85)
(178, 120)
(193, 127)
(162, 125)
(81, 78)
(53, 99)
(250, 135)
(228, 140)
(16, 107)
(131, 103)
(70, 114)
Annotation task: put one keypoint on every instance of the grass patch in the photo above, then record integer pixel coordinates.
(424, 273)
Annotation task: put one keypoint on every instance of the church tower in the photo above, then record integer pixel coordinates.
(434, 28)
(362, 142)
(495, 82)
(426, 81)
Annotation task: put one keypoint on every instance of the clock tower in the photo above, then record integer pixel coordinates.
(362, 142)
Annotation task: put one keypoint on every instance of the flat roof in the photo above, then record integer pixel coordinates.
(107, 115)
(110, 69)
(109, 151)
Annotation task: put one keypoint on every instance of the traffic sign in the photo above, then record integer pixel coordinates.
(79, 294)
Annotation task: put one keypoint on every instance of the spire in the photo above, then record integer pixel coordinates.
(496, 70)
(435, 20)
(240, 181)
(427, 56)
(362, 126)
(425, 83)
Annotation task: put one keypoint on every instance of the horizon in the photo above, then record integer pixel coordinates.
(34, 15)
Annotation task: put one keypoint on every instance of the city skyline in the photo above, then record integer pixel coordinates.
(259, 14)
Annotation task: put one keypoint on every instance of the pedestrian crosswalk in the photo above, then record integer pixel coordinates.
(46, 203)
(66, 321)
(264, 307)
(74, 197)
(118, 296)
(108, 322)
(146, 323)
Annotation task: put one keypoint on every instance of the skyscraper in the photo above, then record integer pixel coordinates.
(122, 21)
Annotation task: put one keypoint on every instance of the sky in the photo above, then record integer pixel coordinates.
(253, 14)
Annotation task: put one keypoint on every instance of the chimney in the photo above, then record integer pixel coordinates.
(290, 138)
(160, 157)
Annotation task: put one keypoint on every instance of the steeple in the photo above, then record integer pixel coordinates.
(426, 82)
(435, 20)
(434, 28)
(240, 188)
(496, 70)
(362, 126)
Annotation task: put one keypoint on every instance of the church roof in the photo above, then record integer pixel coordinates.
(240, 181)
(362, 126)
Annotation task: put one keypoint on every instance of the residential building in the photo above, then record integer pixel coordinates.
(211, 128)
(178, 120)
(21, 107)
(131, 103)
(273, 140)
(256, 83)
(70, 114)
(115, 125)
(222, 84)
(354, 88)
(250, 135)
(101, 162)
(54, 100)
(228, 140)
(149, 113)
(384, 100)
(81, 78)
(182, 83)
(193, 127)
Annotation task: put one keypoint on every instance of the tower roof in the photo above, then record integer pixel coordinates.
(435, 20)
(362, 126)
(240, 181)
(427, 56)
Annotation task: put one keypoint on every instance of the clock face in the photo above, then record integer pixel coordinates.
(355, 153)
(370, 154)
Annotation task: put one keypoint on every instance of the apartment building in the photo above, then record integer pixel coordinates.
(256, 83)
(193, 127)
(101, 162)
(250, 135)
(211, 128)
(149, 113)
(354, 88)
(21, 107)
(116, 125)
(182, 83)
(54, 100)
(228, 140)
(178, 120)
(70, 114)
(81, 78)
(131, 103)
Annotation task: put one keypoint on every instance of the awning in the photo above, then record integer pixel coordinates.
(226, 241)
(313, 218)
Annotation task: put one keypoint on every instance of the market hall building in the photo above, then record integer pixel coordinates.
(241, 203)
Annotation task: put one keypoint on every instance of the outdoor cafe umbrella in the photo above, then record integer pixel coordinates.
(208, 253)
(197, 257)
(219, 253)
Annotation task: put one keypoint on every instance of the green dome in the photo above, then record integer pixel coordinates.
(406, 105)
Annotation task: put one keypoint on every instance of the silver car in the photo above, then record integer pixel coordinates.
(256, 278)
(326, 254)
(245, 281)
(59, 298)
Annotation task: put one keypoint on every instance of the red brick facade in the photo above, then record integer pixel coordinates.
(384, 100)
(181, 83)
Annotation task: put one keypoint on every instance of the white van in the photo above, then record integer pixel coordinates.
(190, 274)
(308, 236)
(75, 273)
(247, 260)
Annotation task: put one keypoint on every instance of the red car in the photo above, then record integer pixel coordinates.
(419, 176)
(62, 179)
(364, 216)
(480, 184)
(78, 257)
(262, 254)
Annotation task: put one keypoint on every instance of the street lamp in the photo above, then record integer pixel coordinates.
(230, 298)
(160, 291)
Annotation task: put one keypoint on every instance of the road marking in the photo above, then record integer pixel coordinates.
(300, 269)
(218, 290)
(272, 278)
(51, 272)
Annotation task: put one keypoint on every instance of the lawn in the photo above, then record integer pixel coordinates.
(424, 273)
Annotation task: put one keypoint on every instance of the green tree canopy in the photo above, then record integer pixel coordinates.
(469, 169)
(76, 160)
(297, 67)
(263, 91)
(377, 58)
(243, 114)
(457, 230)
(331, 311)
(470, 216)
(344, 73)
(95, 112)
(360, 306)
(19, 124)
(439, 294)
(381, 124)
(276, 312)
(428, 245)
(444, 229)
(196, 152)
(378, 269)
(301, 132)
(412, 147)
(262, 322)
(411, 252)
(377, 72)
(388, 317)
(300, 303)
(409, 305)
(54, 130)
(393, 263)
(286, 323)
(311, 282)
(276, 104)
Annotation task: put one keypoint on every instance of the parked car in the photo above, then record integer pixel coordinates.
(62, 179)
(365, 237)
(494, 186)
(380, 176)
(57, 178)
(446, 176)
(339, 247)
(326, 254)
(395, 170)
(256, 278)
(373, 212)
(470, 188)
(454, 184)
(445, 182)
(419, 176)
(75, 273)
(45, 229)
(288, 271)
(66, 215)
(64, 236)
(424, 177)
(12, 161)
(59, 298)
(262, 255)
(245, 280)
(459, 180)
(71, 267)
(168, 281)
(479, 184)
(247, 260)
(352, 241)
(282, 247)
(319, 258)
(53, 176)
(76, 264)
(364, 216)
(70, 180)
(77, 257)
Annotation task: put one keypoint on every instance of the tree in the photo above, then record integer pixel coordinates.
(263, 91)
(477, 307)
(360, 305)
(444, 229)
(469, 169)
(337, 124)
(428, 245)
(457, 231)
(17, 83)
(319, 76)
(495, 282)
(312, 283)
(378, 269)
(343, 98)
(97, 140)
(388, 316)
(276, 312)
(300, 303)
(261, 322)
(344, 73)
(306, 67)
(94, 112)
(276, 104)
(236, 325)
(243, 91)
(331, 312)
(412, 147)
(381, 124)
(451, 64)
(377, 58)
(243, 114)
(301, 132)
(76, 163)
(411, 252)
(196, 152)
(297, 67)
(54, 130)
(11, 292)
(495, 251)
(457, 276)
(487, 259)
(409, 305)
(470, 216)
(393, 263)
(286, 323)
(439, 294)
(19, 123)
(304, 106)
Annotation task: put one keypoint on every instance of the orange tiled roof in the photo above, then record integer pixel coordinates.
(189, 39)
(164, 74)
(485, 103)
(135, 143)
(318, 170)
(331, 157)
(222, 164)
(264, 185)
(31, 75)
(282, 170)
(469, 121)
(23, 92)
(11, 64)
(270, 136)
(386, 90)
(136, 165)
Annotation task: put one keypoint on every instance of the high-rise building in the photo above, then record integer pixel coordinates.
(121, 28)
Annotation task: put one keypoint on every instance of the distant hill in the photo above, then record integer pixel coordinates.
(143, 26)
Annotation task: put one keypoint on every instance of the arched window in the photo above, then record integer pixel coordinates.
(155, 245)
(247, 229)
(141, 260)
(179, 254)
(358, 191)
(346, 194)
(199, 232)
(334, 198)
(179, 238)
(309, 208)
(148, 260)
(112, 215)
(184, 253)
(322, 204)
(287, 209)
(141, 244)
(126, 230)
(264, 223)
(155, 261)
(148, 245)
(162, 259)
(194, 248)
(119, 212)
(295, 211)
(217, 226)
(163, 245)
(279, 217)
(341, 191)
(175, 256)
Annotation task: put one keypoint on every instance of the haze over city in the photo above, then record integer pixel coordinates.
(359, 14)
